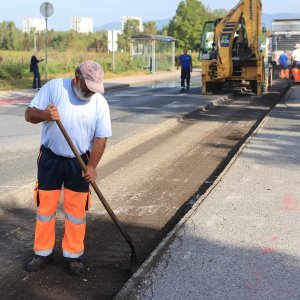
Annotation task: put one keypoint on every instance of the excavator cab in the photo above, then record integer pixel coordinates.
(208, 46)
(240, 50)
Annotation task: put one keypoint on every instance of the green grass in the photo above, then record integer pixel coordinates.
(14, 66)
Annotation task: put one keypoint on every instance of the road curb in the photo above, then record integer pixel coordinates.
(139, 279)
(136, 282)
(115, 86)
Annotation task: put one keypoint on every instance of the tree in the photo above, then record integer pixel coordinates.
(131, 27)
(150, 27)
(186, 26)
(219, 13)
(164, 30)
(99, 41)
(11, 38)
(122, 42)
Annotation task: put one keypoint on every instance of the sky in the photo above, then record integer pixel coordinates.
(107, 11)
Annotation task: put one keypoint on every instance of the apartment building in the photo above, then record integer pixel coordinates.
(84, 25)
(126, 18)
(33, 23)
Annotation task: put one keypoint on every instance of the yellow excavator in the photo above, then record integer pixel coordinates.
(230, 50)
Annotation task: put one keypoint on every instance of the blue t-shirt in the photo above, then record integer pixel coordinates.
(83, 120)
(185, 61)
(284, 60)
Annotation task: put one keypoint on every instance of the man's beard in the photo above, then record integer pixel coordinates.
(80, 95)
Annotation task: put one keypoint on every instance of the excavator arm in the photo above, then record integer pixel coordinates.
(232, 40)
(243, 20)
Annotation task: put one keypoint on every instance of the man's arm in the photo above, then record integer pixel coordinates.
(191, 64)
(97, 151)
(34, 115)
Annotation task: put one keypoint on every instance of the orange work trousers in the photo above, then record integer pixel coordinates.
(296, 74)
(55, 172)
(285, 73)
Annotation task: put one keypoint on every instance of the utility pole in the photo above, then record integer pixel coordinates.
(112, 38)
(46, 10)
(34, 39)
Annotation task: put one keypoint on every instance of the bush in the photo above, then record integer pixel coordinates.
(14, 65)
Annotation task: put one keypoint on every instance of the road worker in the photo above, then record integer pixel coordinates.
(84, 113)
(284, 65)
(296, 62)
(185, 61)
(35, 69)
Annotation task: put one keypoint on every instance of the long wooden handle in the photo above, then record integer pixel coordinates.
(100, 195)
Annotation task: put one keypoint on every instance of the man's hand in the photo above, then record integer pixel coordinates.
(34, 115)
(90, 175)
(51, 113)
(96, 154)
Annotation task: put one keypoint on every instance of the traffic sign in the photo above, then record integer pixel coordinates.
(112, 35)
(112, 46)
(46, 9)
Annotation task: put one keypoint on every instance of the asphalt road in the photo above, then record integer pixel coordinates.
(150, 180)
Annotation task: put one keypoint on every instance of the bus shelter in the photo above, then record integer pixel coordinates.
(157, 52)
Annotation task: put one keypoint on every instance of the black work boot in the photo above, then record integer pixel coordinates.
(75, 266)
(38, 262)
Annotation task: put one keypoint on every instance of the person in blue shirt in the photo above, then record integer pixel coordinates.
(185, 61)
(284, 62)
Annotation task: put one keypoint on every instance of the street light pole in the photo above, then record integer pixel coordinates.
(34, 39)
(46, 49)
(46, 10)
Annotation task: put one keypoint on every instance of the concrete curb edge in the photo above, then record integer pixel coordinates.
(131, 288)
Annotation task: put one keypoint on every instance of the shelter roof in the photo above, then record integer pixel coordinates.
(156, 37)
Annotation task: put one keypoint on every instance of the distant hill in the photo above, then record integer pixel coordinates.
(117, 25)
(268, 18)
(109, 26)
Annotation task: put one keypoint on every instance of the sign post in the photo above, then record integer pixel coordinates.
(46, 10)
(112, 38)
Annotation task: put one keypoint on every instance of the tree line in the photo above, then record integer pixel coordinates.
(185, 26)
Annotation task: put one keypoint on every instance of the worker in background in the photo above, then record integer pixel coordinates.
(284, 63)
(185, 61)
(84, 113)
(296, 62)
(35, 69)
(240, 42)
